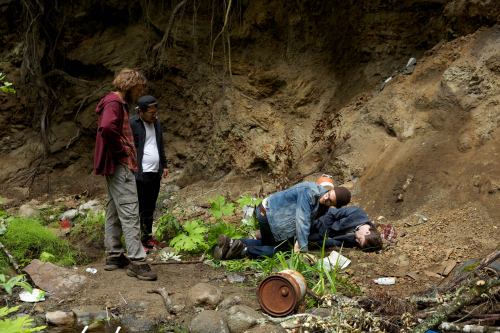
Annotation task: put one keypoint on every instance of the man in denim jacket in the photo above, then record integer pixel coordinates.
(285, 218)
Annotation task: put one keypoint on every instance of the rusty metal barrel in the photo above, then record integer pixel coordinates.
(280, 293)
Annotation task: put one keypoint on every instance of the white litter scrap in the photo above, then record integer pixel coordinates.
(165, 255)
(335, 259)
(36, 295)
(91, 270)
(385, 281)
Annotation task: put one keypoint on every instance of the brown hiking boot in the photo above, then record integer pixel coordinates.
(141, 270)
(116, 261)
(235, 249)
(223, 243)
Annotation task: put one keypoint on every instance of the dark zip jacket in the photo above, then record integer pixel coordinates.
(338, 225)
(139, 132)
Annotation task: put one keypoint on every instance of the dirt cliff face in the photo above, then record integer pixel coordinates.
(279, 92)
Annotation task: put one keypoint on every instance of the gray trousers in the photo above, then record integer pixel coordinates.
(122, 215)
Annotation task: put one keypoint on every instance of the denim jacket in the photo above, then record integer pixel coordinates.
(338, 225)
(291, 211)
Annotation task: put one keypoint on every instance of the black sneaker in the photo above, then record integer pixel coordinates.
(235, 250)
(116, 261)
(223, 243)
(141, 270)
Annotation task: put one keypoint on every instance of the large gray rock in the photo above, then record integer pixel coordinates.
(60, 318)
(135, 323)
(208, 321)
(204, 294)
(57, 281)
(229, 302)
(28, 210)
(239, 318)
(69, 214)
(88, 314)
(267, 328)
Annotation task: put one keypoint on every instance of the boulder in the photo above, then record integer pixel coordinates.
(60, 318)
(208, 321)
(239, 318)
(204, 294)
(229, 302)
(57, 281)
(88, 314)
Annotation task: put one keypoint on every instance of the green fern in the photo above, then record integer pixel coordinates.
(192, 239)
(219, 207)
(222, 228)
(23, 324)
(15, 281)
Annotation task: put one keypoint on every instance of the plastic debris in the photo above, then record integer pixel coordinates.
(335, 259)
(410, 66)
(36, 295)
(385, 281)
(91, 270)
(166, 255)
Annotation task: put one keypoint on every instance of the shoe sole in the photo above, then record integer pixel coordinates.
(235, 250)
(223, 243)
(143, 278)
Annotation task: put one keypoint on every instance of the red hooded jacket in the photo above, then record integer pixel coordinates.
(114, 142)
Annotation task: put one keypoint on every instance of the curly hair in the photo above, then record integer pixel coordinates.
(128, 78)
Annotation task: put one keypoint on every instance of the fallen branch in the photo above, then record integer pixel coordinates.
(445, 310)
(484, 263)
(166, 299)
(12, 260)
(468, 328)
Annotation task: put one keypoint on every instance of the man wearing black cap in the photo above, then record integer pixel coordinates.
(152, 164)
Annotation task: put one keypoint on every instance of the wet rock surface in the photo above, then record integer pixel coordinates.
(60, 318)
(55, 280)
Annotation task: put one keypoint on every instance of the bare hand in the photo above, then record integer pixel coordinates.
(165, 173)
(296, 247)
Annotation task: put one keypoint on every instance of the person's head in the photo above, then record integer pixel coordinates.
(130, 83)
(368, 238)
(326, 181)
(338, 197)
(147, 107)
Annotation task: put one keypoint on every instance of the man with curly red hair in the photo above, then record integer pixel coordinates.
(115, 158)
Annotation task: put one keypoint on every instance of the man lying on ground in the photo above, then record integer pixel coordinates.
(342, 227)
(285, 218)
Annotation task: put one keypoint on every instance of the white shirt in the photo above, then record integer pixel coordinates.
(151, 157)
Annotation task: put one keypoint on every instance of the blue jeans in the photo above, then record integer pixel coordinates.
(267, 246)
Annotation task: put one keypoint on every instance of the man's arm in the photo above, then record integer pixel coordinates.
(303, 219)
(111, 127)
(163, 159)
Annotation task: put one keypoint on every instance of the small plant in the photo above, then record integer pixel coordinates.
(222, 228)
(15, 281)
(21, 324)
(192, 239)
(167, 227)
(219, 207)
(90, 227)
(6, 86)
(246, 200)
